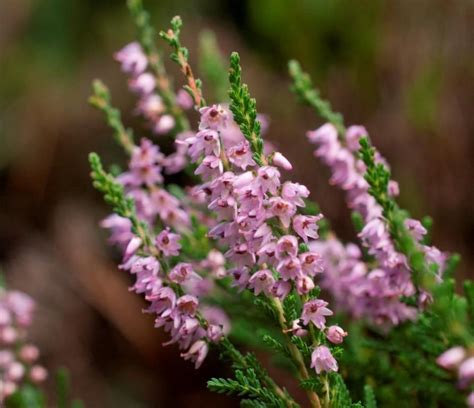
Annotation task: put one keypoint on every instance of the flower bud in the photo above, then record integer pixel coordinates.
(335, 334)
(281, 161)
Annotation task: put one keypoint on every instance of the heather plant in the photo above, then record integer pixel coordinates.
(22, 376)
(238, 257)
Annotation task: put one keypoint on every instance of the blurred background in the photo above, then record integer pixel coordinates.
(404, 69)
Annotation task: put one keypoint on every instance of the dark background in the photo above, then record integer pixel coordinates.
(404, 68)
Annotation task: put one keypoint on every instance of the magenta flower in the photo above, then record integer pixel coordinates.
(281, 161)
(213, 117)
(289, 268)
(262, 281)
(304, 284)
(282, 209)
(197, 353)
(322, 360)
(294, 193)
(306, 226)
(269, 179)
(311, 263)
(183, 272)
(353, 135)
(451, 358)
(132, 58)
(466, 372)
(168, 243)
(240, 155)
(335, 334)
(184, 100)
(143, 84)
(315, 311)
(287, 247)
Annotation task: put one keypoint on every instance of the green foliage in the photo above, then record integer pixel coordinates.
(28, 396)
(114, 195)
(244, 108)
(180, 55)
(212, 66)
(147, 37)
(369, 397)
(246, 384)
(309, 95)
(378, 177)
(101, 100)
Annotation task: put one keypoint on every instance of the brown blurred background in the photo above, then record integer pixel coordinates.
(405, 69)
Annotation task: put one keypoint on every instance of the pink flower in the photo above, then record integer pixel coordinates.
(132, 247)
(294, 193)
(466, 372)
(311, 263)
(470, 400)
(184, 100)
(168, 243)
(289, 268)
(240, 155)
(281, 289)
(183, 272)
(151, 106)
(197, 353)
(29, 353)
(353, 135)
(143, 84)
(315, 311)
(213, 117)
(281, 161)
(415, 228)
(163, 301)
(306, 226)
(451, 358)
(262, 281)
(164, 124)
(287, 247)
(38, 374)
(282, 209)
(120, 230)
(335, 334)
(132, 59)
(210, 167)
(269, 178)
(322, 360)
(187, 304)
(326, 138)
(304, 284)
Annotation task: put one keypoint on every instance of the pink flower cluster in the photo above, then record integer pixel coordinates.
(17, 357)
(134, 62)
(373, 293)
(459, 360)
(174, 295)
(257, 218)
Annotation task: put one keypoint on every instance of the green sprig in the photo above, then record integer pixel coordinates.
(180, 55)
(114, 195)
(101, 100)
(147, 37)
(244, 108)
(309, 95)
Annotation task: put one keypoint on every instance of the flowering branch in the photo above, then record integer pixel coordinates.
(147, 39)
(244, 109)
(102, 101)
(180, 56)
(309, 95)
